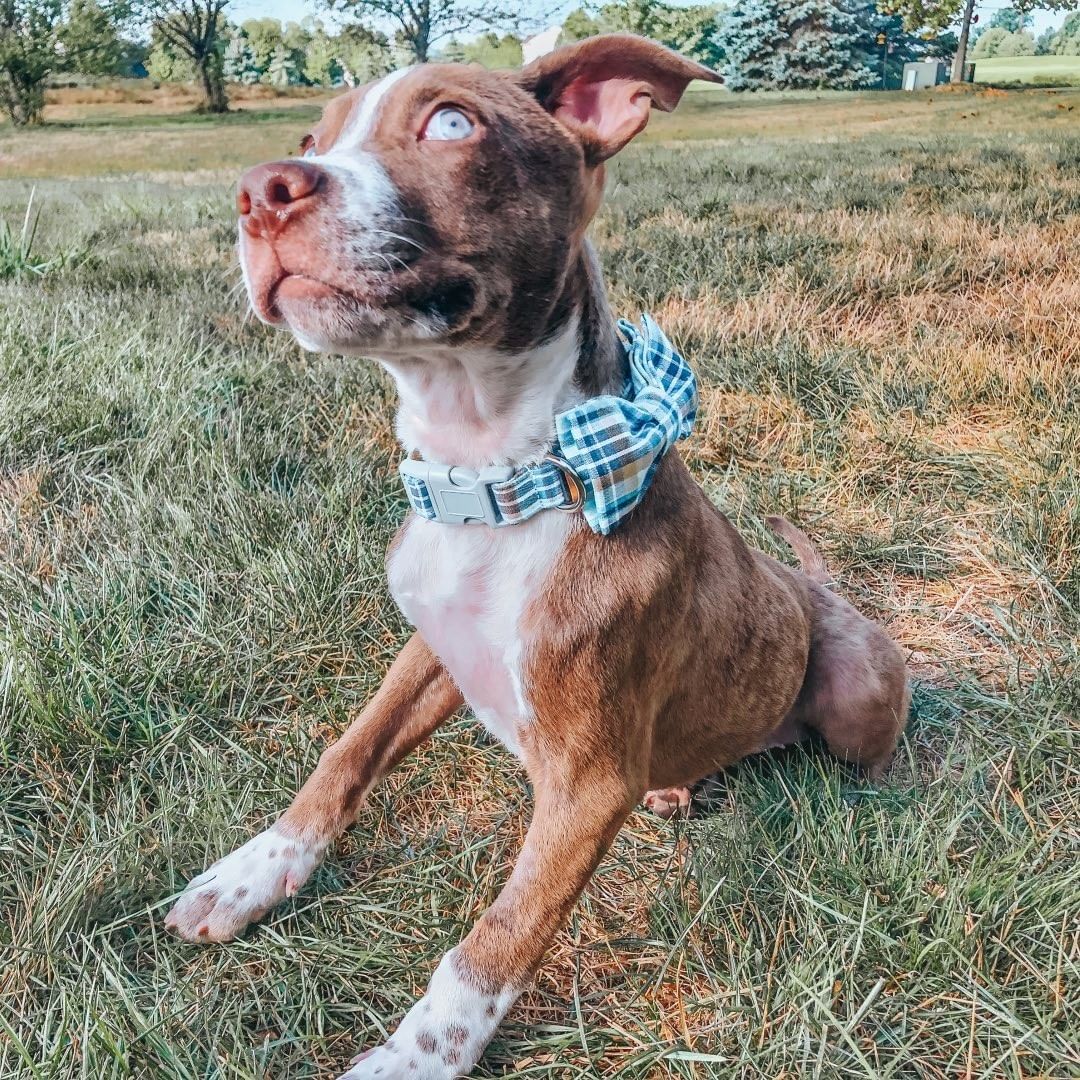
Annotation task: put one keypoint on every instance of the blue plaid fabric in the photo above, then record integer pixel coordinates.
(613, 445)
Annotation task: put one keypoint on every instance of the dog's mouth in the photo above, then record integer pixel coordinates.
(363, 307)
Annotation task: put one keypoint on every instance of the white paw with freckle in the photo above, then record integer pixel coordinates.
(242, 887)
(442, 1036)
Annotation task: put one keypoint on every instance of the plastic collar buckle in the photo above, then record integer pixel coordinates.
(459, 495)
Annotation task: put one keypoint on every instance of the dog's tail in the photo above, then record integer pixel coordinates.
(813, 565)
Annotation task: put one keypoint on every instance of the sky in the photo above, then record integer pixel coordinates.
(295, 10)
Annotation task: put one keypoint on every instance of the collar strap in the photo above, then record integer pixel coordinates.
(605, 455)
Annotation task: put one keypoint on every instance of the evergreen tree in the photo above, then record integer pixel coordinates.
(320, 62)
(282, 68)
(825, 40)
(752, 37)
(796, 45)
(239, 62)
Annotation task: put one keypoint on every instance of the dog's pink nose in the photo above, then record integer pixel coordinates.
(271, 195)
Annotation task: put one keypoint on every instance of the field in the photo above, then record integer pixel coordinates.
(1052, 70)
(880, 295)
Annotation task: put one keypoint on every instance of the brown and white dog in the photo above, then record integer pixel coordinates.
(436, 220)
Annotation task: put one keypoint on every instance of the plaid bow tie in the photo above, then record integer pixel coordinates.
(605, 455)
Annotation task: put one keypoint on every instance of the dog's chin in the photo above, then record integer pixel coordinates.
(325, 319)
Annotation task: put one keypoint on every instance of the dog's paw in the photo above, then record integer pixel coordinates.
(242, 887)
(442, 1036)
(423, 1054)
(668, 802)
(387, 1062)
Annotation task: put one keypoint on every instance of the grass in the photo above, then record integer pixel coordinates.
(879, 293)
(1045, 70)
(18, 255)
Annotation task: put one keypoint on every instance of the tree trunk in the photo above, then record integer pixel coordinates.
(23, 100)
(215, 100)
(420, 45)
(960, 60)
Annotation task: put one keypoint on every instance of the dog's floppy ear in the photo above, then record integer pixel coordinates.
(603, 87)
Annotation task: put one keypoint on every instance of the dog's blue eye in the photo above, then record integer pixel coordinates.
(447, 124)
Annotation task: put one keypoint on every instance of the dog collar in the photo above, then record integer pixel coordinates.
(604, 457)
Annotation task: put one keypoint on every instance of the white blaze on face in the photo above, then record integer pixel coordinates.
(362, 122)
(368, 191)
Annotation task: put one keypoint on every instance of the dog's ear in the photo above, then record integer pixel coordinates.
(603, 87)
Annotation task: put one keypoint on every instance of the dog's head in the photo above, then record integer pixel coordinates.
(446, 204)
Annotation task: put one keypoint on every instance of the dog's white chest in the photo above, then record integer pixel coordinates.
(465, 588)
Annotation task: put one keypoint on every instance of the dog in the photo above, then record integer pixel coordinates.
(436, 220)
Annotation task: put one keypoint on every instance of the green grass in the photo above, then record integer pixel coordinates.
(880, 296)
(1046, 70)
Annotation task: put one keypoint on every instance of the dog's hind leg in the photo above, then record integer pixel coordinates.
(667, 802)
(855, 694)
(416, 696)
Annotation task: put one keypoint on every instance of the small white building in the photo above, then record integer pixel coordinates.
(540, 44)
(924, 74)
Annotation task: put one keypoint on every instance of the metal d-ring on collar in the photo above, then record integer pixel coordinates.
(575, 489)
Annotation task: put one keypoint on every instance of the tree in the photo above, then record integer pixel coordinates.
(1066, 41)
(694, 31)
(1019, 44)
(997, 41)
(195, 31)
(282, 68)
(320, 65)
(363, 54)
(752, 37)
(989, 42)
(90, 39)
(492, 51)
(1010, 19)
(238, 64)
(419, 25)
(38, 37)
(939, 15)
(807, 44)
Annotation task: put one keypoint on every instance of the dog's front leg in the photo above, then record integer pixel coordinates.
(445, 1032)
(416, 696)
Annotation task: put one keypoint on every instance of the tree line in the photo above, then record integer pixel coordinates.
(757, 44)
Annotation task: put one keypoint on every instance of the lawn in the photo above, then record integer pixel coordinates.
(880, 294)
(1052, 70)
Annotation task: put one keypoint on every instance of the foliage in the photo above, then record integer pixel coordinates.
(320, 64)
(238, 64)
(997, 41)
(363, 54)
(281, 71)
(797, 45)
(489, 49)
(90, 39)
(1010, 19)
(166, 63)
(193, 33)
(693, 31)
(38, 37)
(1066, 40)
(419, 25)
